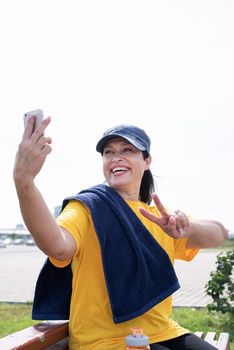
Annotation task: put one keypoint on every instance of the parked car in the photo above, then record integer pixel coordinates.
(7, 241)
(30, 242)
(2, 245)
(18, 241)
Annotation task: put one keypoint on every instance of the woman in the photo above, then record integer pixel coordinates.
(120, 249)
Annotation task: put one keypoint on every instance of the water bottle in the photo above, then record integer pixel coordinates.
(137, 340)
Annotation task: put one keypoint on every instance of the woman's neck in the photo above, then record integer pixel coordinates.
(127, 195)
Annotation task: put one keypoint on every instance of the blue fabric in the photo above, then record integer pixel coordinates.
(53, 293)
(138, 272)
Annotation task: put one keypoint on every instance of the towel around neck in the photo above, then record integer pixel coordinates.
(138, 272)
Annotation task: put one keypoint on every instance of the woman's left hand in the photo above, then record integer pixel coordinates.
(175, 224)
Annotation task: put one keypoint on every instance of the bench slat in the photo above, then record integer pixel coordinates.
(37, 337)
(199, 334)
(210, 338)
(222, 343)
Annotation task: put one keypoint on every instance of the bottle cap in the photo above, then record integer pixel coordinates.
(137, 338)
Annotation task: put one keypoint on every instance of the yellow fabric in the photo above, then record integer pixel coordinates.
(91, 324)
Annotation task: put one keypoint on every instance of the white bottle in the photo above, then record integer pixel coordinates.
(137, 340)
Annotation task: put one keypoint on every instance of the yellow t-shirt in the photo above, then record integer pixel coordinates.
(91, 325)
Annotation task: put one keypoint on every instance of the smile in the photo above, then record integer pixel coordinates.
(119, 170)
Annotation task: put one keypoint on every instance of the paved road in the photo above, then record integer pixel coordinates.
(193, 277)
(20, 265)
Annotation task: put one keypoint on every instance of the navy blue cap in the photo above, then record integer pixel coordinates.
(136, 136)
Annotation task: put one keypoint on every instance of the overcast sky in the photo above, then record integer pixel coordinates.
(165, 66)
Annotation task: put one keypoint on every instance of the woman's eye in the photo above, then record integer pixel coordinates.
(127, 150)
(106, 152)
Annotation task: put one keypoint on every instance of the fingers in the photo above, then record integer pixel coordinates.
(41, 128)
(175, 224)
(32, 152)
(46, 150)
(42, 142)
(35, 141)
(182, 217)
(28, 133)
(150, 216)
(178, 225)
(159, 205)
(29, 128)
(183, 222)
(172, 227)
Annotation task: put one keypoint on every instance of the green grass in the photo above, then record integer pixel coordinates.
(14, 317)
(226, 245)
(229, 243)
(202, 320)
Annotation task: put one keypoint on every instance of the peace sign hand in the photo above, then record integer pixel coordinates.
(175, 224)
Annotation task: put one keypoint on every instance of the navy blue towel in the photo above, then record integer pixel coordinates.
(53, 293)
(138, 272)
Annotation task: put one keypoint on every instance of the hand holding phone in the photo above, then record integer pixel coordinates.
(37, 114)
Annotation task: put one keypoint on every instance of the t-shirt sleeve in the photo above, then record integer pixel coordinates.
(183, 253)
(75, 218)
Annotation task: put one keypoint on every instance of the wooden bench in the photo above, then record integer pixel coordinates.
(54, 336)
(42, 336)
(221, 342)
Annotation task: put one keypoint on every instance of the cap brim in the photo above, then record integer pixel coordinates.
(101, 143)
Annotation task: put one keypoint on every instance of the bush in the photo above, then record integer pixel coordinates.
(221, 285)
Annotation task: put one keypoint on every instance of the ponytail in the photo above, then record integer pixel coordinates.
(147, 184)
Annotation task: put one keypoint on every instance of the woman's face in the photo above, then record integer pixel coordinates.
(124, 166)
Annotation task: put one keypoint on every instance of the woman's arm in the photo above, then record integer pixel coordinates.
(206, 234)
(49, 237)
(200, 233)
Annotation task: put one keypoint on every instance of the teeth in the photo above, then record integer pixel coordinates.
(118, 169)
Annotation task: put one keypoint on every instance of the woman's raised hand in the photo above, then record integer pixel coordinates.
(175, 224)
(32, 152)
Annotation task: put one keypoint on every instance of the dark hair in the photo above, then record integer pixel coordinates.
(147, 184)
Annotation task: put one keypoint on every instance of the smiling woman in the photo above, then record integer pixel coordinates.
(123, 167)
(111, 240)
(134, 142)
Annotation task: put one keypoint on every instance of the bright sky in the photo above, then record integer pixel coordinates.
(166, 66)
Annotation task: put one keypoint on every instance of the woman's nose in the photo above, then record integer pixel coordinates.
(116, 156)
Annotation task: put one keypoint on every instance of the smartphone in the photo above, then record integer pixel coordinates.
(38, 115)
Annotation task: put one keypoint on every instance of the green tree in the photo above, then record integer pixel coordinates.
(221, 285)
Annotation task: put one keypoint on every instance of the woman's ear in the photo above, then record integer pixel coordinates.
(148, 162)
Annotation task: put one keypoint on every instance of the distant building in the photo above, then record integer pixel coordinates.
(19, 230)
(16, 235)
